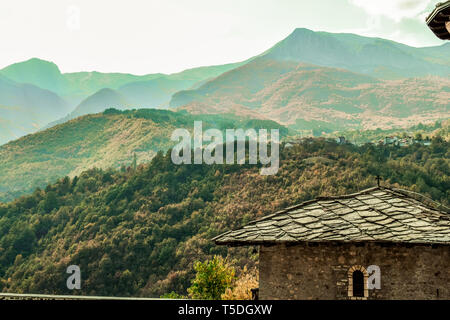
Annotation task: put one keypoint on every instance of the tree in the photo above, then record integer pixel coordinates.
(418, 136)
(212, 279)
(134, 163)
(50, 201)
(242, 288)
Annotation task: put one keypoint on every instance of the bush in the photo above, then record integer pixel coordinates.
(172, 295)
(213, 278)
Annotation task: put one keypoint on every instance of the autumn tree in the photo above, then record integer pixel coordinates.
(213, 277)
(242, 287)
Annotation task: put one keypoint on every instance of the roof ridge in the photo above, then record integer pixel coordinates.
(423, 199)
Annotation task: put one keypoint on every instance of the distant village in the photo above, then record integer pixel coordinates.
(393, 140)
(403, 142)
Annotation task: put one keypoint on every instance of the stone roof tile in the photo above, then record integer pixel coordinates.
(376, 214)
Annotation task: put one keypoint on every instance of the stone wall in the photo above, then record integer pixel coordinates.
(321, 271)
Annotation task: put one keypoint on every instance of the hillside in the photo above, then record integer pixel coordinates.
(24, 108)
(104, 140)
(138, 233)
(419, 132)
(306, 96)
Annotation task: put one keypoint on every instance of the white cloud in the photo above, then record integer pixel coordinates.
(394, 9)
(399, 20)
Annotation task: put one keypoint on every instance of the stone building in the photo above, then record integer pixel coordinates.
(380, 243)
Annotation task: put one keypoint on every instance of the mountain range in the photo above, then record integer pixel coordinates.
(332, 81)
(304, 96)
(377, 57)
(81, 93)
(274, 85)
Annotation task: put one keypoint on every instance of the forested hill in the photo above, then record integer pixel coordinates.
(138, 232)
(108, 139)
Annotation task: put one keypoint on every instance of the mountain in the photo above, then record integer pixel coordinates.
(211, 89)
(79, 85)
(138, 95)
(82, 93)
(99, 101)
(40, 73)
(130, 93)
(208, 72)
(435, 54)
(140, 232)
(104, 140)
(24, 108)
(332, 81)
(153, 93)
(147, 91)
(85, 84)
(377, 57)
(305, 96)
(47, 75)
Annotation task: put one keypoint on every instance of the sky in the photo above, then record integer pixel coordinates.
(167, 36)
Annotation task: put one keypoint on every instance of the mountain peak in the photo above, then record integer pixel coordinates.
(41, 73)
(300, 33)
(106, 91)
(38, 60)
(33, 63)
(103, 99)
(302, 30)
(359, 54)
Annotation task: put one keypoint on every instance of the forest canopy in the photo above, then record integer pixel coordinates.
(139, 232)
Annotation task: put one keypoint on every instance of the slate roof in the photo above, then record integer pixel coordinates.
(438, 19)
(377, 214)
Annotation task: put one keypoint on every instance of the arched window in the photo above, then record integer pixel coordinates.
(357, 282)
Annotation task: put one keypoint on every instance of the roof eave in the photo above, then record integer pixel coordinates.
(436, 10)
(436, 20)
(287, 242)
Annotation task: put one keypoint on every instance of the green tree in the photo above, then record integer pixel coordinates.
(212, 279)
(418, 136)
(134, 163)
(50, 201)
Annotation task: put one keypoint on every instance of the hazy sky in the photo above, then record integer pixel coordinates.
(149, 36)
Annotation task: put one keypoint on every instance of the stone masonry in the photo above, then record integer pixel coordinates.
(320, 270)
